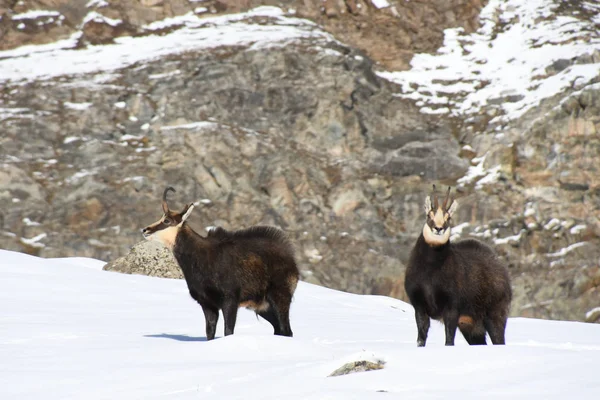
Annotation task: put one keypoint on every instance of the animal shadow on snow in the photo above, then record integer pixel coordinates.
(181, 338)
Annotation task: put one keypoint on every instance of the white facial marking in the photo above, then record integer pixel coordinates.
(434, 239)
(432, 236)
(165, 236)
(438, 218)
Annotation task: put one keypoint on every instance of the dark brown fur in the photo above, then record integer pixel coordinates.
(464, 284)
(252, 268)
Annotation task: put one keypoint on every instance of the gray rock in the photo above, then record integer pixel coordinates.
(433, 161)
(306, 137)
(358, 366)
(147, 258)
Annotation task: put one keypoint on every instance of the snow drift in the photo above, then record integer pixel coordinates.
(70, 331)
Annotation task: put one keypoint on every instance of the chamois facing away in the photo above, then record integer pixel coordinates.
(464, 283)
(252, 268)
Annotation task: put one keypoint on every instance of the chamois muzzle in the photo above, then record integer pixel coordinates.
(164, 221)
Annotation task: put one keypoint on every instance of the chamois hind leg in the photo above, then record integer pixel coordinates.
(473, 331)
(495, 324)
(270, 316)
(280, 302)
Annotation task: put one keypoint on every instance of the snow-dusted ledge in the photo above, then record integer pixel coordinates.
(191, 33)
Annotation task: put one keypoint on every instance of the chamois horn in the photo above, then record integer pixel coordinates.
(446, 199)
(165, 207)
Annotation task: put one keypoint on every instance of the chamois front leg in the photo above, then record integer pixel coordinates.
(423, 322)
(230, 309)
(450, 323)
(211, 315)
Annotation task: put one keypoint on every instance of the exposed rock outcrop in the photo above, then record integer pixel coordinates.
(300, 126)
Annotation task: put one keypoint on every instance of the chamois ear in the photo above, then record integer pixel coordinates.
(427, 206)
(452, 208)
(187, 212)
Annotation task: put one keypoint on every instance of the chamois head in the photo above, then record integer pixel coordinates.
(166, 228)
(437, 228)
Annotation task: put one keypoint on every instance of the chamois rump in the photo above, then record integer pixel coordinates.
(253, 268)
(464, 283)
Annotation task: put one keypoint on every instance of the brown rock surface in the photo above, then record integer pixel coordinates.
(304, 136)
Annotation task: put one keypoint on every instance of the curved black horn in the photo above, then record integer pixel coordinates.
(165, 207)
(446, 199)
(435, 199)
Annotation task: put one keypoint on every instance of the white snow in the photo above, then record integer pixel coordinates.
(164, 75)
(507, 56)
(72, 331)
(510, 239)
(457, 231)
(479, 174)
(195, 33)
(145, 149)
(96, 3)
(529, 210)
(80, 174)
(35, 241)
(380, 3)
(554, 223)
(101, 19)
(313, 255)
(592, 312)
(134, 179)
(29, 222)
(564, 251)
(71, 139)
(77, 106)
(191, 125)
(33, 14)
(127, 137)
(28, 51)
(6, 113)
(577, 229)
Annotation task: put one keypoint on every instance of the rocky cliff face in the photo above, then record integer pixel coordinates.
(307, 117)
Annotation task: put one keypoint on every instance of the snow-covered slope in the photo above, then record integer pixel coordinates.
(69, 330)
(506, 61)
(249, 29)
